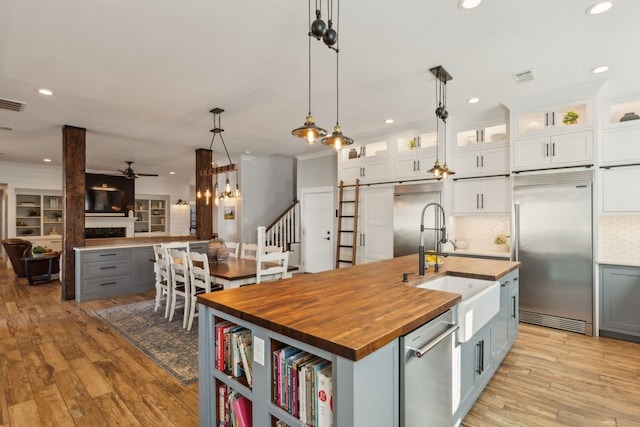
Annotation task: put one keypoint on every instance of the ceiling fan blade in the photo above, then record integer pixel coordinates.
(147, 174)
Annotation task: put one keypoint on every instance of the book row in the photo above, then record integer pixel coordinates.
(233, 351)
(234, 410)
(302, 385)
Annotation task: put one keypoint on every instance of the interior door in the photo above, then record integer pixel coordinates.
(317, 230)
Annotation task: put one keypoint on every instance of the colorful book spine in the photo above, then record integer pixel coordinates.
(246, 355)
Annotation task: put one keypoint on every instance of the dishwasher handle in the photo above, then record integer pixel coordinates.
(422, 351)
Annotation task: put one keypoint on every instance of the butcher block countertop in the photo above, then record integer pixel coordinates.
(351, 312)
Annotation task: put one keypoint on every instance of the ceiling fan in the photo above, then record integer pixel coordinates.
(130, 174)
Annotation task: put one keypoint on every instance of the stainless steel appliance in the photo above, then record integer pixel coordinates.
(408, 202)
(426, 374)
(553, 238)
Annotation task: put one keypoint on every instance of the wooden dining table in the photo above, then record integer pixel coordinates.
(236, 272)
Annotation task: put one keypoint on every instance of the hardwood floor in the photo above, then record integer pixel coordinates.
(556, 378)
(61, 366)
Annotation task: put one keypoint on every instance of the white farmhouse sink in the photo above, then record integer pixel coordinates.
(480, 301)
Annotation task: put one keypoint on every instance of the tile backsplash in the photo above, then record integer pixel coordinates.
(480, 231)
(619, 236)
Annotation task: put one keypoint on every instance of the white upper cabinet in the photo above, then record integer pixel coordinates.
(414, 155)
(553, 119)
(571, 149)
(620, 192)
(559, 135)
(368, 162)
(481, 196)
(482, 151)
(621, 134)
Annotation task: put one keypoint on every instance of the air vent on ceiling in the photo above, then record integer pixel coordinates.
(7, 104)
(524, 76)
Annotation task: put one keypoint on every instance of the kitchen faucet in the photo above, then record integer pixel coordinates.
(443, 237)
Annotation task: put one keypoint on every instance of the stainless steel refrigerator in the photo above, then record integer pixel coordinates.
(408, 202)
(553, 216)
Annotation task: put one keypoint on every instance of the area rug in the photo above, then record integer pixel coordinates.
(166, 343)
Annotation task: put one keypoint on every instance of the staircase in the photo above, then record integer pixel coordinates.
(285, 230)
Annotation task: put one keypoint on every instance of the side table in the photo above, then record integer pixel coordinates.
(33, 262)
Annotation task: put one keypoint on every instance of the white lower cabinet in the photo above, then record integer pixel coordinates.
(570, 149)
(620, 192)
(481, 196)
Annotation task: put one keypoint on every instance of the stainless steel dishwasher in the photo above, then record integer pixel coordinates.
(426, 376)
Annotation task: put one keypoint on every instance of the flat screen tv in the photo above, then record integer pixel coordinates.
(108, 195)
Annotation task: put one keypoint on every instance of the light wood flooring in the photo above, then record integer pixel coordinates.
(61, 366)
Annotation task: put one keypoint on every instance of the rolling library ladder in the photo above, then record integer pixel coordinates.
(347, 224)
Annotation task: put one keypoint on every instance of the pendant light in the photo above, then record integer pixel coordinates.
(310, 132)
(337, 140)
(442, 77)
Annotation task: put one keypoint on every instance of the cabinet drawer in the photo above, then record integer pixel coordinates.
(107, 268)
(107, 254)
(105, 287)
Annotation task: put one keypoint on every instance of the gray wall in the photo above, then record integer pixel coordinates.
(317, 171)
(268, 188)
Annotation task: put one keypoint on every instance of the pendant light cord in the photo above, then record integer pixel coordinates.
(309, 50)
(337, 62)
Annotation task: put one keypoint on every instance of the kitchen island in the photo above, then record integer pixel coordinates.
(352, 317)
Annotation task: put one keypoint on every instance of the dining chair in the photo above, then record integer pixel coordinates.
(273, 264)
(200, 282)
(162, 271)
(175, 245)
(179, 280)
(234, 248)
(272, 248)
(249, 251)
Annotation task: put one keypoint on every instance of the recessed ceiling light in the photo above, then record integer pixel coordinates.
(172, 173)
(247, 152)
(600, 69)
(388, 121)
(473, 100)
(468, 4)
(600, 7)
(46, 160)
(44, 91)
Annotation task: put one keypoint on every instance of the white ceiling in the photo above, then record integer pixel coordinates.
(141, 76)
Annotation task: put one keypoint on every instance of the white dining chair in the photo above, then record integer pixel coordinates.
(162, 272)
(234, 248)
(175, 245)
(179, 279)
(249, 251)
(271, 248)
(274, 265)
(200, 282)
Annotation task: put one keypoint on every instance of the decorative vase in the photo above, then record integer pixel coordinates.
(353, 154)
(212, 248)
(629, 116)
(222, 254)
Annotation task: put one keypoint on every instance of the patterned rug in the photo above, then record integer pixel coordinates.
(169, 345)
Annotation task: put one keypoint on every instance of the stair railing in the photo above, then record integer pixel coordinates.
(285, 229)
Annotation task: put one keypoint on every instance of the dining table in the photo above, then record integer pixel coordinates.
(235, 272)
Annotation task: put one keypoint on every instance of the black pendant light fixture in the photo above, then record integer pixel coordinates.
(336, 140)
(310, 132)
(215, 171)
(442, 77)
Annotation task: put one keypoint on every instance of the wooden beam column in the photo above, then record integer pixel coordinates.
(204, 211)
(73, 182)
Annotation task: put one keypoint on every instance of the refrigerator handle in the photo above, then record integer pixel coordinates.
(516, 234)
